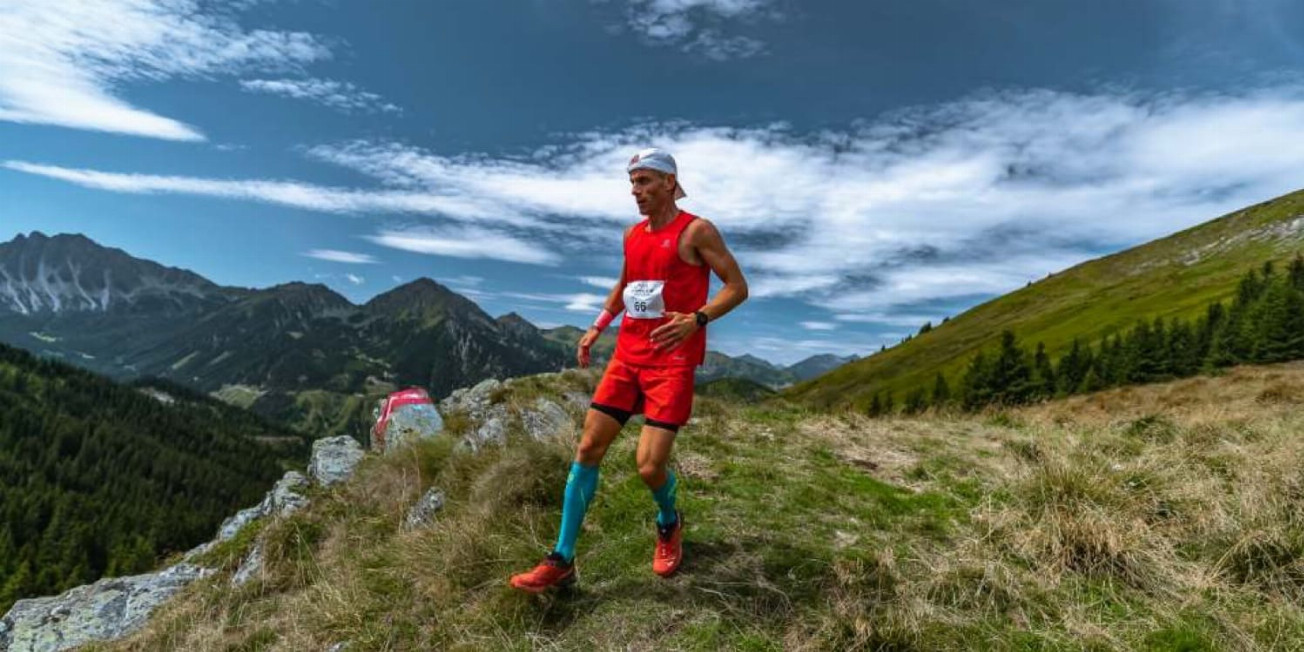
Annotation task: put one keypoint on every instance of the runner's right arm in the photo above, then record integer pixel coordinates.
(615, 304)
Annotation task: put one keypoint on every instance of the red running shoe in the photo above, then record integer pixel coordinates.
(670, 549)
(552, 571)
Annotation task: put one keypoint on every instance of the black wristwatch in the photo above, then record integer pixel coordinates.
(701, 318)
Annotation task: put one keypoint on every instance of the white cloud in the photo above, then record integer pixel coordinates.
(933, 206)
(285, 193)
(355, 279)
(343, 96)
(336, 256)
(577, 302)
(691, 25)
(466, 242)
(818, 325)
(61, 63)
(604, 282)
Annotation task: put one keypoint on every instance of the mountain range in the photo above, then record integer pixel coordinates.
(298, 352)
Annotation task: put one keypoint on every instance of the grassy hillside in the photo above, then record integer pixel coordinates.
(1176, 276)
(1163, 517)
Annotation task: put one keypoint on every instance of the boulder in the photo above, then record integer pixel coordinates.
(404, 417)
(473, 401)
(545, 419)
(333, 459)
(423, 512)
(108, 609)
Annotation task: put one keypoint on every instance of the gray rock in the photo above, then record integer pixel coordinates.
(423, 512)
(407, 424)
(578, 399)
(338, 647)
(250, 566)
(106, 610)
(334, 458)
(286, 497)
(233, 524)
(474, 401)
(545, 419)
(492, 429)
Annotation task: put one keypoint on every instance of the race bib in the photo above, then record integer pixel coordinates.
(643, 299)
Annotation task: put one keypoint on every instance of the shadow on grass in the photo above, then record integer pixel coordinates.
(747, 581)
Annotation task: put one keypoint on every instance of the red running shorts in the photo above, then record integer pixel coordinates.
(664, 395)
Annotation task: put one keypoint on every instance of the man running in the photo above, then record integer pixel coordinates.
(663, 291)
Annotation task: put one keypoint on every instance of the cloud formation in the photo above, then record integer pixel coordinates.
(342, 96)
(61, 62)
(694, 25)
(337, 256)
(893, 222)
(466, 242)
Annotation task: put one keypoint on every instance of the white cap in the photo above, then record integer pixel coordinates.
(660, 160)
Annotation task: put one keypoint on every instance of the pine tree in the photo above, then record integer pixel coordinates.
(941, 391)
(916, 401)
(1043, 375)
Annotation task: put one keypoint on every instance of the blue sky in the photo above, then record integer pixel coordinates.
(873, 164)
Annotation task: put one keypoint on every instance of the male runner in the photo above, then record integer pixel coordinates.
(662, 339)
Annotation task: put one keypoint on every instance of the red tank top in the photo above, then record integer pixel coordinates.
(658, 280)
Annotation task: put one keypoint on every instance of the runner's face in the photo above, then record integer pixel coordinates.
(652, 190)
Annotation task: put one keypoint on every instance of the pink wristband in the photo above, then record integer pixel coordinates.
(603, 320)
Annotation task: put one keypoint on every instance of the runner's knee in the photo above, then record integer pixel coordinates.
(592, 448)
(653, 473)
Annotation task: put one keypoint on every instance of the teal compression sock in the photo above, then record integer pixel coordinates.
(581, 484)
(665, 497)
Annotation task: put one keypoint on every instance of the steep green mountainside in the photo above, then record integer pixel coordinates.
(98, 478)
(1176, 276)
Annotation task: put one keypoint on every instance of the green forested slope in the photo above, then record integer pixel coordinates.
(1176, 276)
(98, 478)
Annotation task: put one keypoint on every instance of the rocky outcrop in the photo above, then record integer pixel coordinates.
(115, 607)
(108, 609)
(333, 459)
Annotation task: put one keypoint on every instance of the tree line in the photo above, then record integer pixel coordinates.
(1263, 323)
(99, 479)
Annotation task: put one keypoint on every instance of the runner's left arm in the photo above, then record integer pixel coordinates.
(710, 246)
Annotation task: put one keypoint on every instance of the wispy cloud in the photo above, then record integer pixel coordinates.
(818, 325)
(604, 282)
(336, 256)
(62, 63)
(355, 279)
(878, 224)
(466, 242)
(698, 25)
(342, 96)
(586, 302)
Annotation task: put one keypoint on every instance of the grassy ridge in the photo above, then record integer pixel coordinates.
(1158, 517)
(1175, 276)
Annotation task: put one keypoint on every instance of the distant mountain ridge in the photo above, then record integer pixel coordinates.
(717, 365)
(287, 345)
